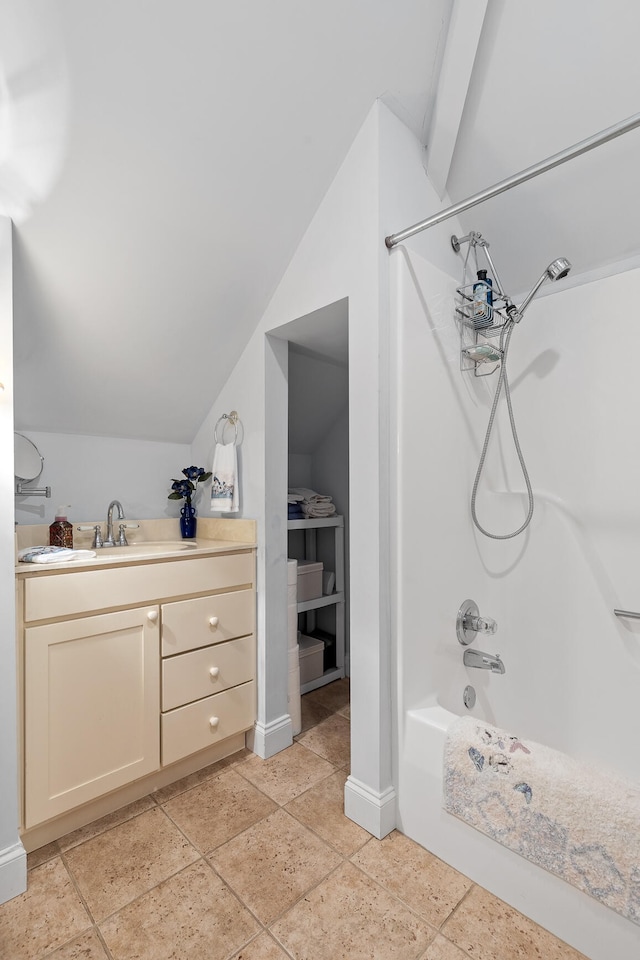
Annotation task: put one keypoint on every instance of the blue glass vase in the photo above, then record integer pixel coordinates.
(188, 521)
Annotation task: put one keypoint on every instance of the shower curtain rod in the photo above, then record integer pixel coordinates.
(554, 161)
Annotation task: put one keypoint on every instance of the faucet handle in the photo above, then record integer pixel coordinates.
(469, 623)
(480, 624)
(97, 533)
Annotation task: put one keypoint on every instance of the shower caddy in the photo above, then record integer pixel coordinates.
(472, 335)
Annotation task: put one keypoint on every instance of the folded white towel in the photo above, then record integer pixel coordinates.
(53, 554)
(301, 493)
(318, 509)
(224, 482)
(309, 496)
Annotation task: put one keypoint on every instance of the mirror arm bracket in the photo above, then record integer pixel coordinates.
(32, 491)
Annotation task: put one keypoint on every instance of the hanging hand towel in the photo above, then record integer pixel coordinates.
(224, 482)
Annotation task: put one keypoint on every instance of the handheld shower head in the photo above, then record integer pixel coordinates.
(556, 270)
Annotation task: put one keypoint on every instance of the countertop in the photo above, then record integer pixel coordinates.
(155, 541)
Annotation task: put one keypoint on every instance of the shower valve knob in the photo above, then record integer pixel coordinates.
(469, 623)
(481, 624)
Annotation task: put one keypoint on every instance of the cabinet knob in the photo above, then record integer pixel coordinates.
(213, 722)
(214, 671)
(152, 615)
(214, 621)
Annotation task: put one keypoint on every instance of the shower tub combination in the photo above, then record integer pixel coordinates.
(572, 668)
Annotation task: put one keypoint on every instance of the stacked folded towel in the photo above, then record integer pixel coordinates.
(312, 504)
(295, 511)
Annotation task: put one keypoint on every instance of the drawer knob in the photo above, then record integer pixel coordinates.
(213, 722)
(214, 671)
(152, 615)
(214, 621)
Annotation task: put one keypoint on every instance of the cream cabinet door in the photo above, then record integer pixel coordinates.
(91, 708)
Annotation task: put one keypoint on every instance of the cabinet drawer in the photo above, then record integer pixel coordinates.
(196, 726)
(189, 624)
(201, 673)
(70, 593)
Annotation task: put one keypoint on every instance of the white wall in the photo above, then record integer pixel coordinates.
(13, 861)
(318, 393)
(437, 563)
(299, 470)
(338, 257)
(330, 464)
(88, 472)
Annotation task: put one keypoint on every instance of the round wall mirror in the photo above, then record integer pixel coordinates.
(27, 458)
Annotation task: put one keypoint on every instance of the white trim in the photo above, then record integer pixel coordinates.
(601, 272)
(463, 37)
(13, 872)
(375, 812)
(268, 739)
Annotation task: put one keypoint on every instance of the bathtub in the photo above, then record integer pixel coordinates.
(587, 925)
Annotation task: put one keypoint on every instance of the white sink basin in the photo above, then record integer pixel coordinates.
(148, 548)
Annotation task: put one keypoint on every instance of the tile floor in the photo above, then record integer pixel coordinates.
(254, 860)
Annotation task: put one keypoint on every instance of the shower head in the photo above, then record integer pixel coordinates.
(556, 270)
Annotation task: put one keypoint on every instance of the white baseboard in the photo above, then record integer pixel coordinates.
(13, 872)
(267, 740)
(375, 812)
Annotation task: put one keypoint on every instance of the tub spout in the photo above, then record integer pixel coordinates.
(483, 661)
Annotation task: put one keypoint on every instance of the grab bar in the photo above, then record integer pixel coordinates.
(627, 613)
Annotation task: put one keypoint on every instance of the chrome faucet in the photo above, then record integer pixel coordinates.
(108, 540)
(483, 661)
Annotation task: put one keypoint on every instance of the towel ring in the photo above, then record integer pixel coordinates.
(232, 418)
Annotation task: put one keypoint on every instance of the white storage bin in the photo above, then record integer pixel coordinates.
(309, 580)
(311, 658)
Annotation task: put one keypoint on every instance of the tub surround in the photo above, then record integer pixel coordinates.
(133, 672)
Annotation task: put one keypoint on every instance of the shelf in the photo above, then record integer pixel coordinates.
(327, 601)
(334, 531)
(313, 523)
(336, 673)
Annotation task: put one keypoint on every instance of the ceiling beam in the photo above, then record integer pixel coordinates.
(463, 37)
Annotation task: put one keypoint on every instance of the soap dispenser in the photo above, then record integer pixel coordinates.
(61, 531)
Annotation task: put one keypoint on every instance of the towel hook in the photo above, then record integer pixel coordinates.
(232, 418)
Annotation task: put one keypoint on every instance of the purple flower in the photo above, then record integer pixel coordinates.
(193, 473)
(185, 489)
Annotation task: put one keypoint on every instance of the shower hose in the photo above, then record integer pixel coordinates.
(503, 382)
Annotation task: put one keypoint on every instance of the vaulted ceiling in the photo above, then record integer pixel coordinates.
(161, 162)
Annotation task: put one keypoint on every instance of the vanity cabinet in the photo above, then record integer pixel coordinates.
(128, 670)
